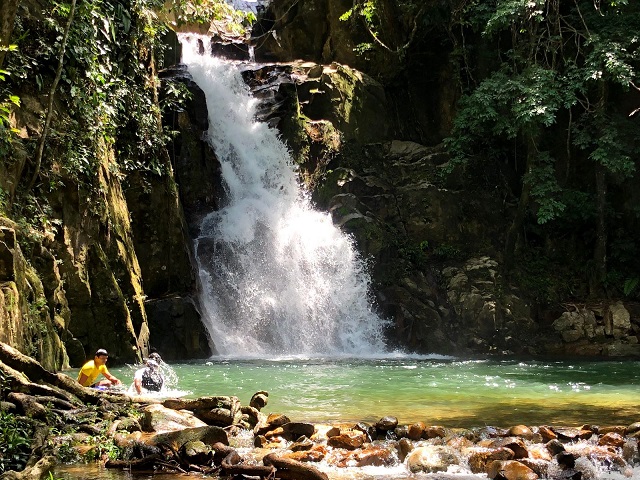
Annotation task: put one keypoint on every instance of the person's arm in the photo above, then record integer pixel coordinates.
(137, 383)
(110, 377)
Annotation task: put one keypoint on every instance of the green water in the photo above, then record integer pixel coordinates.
(436, 391)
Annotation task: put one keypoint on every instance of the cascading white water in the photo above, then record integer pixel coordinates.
(278, 278)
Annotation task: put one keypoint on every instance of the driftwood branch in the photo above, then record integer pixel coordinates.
(137, 463)
(37, 471)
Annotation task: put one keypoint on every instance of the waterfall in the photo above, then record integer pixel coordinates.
(277, 277)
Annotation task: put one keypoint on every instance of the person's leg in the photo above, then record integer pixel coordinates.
(102, 383)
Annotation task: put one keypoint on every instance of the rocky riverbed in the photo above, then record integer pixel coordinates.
(218, 436)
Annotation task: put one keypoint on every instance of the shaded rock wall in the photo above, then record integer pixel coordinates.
(435, 243)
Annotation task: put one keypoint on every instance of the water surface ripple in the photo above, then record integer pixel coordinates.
(437, 391)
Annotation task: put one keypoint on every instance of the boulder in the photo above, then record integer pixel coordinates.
(298, 429)
(197, 452)
(515, 444)
(434, 432)
(157, 418)
(209, 435)
(480, 458)
(611, 439)
(416, 430)
(374, 456)
(510, 470)
(386, 423)
(430, 459)
(521, 431)
(349, 440)
(259, 400)
(617, 321)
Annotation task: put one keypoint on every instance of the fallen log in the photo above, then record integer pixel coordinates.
(137, 463)
(293, 470)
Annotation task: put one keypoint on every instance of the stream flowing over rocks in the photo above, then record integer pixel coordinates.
(216, 435)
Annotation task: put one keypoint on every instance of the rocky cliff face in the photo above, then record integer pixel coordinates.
(434, 240)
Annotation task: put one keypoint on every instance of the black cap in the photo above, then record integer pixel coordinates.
(100, 352)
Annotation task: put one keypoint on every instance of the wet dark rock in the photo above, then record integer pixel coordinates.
(404, 447)
(259, 400)
(303, 443)
(566, 459)
(434, 432)
(633, 428)
(555, 446)
(298, 429)
(197, 452)
(230, 50)
(349, 440)
(416, 430)
(480, 459)
(387, 423)
(514, 444)
(369, 430)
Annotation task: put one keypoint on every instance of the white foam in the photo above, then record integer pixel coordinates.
(278, 278)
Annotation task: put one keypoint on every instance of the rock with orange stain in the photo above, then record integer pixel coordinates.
(316, 454)
(416, 430)
(481, 457)
(611, 439)
(373, 456)
(349, 440)
(510, 470)
(435, 431)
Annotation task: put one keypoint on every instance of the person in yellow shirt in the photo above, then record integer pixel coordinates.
(93, 368)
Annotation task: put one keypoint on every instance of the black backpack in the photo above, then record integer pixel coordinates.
(152, 380)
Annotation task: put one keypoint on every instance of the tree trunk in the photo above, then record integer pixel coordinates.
(7, 18)
(523, 204)
(52, 92)
(600, 250)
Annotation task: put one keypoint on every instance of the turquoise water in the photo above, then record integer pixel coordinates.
(437, 391)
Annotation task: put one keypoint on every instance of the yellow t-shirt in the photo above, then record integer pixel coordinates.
(92, 372)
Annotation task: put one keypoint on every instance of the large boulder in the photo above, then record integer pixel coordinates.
(430, 459)
(159, 419)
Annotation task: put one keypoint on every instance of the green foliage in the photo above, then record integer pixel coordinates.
(545, 189)
(7, 103)
(547, 106)
(205, 11)
(103, 447)
(514, 12)
(445, 251)
(15, 438)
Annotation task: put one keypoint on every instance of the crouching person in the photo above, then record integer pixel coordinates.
(88, 375)
(148, 377)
